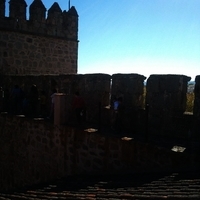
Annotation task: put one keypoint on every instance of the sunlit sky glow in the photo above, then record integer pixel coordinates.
(137, 36)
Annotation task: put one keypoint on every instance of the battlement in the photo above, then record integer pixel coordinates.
(57, 23)
(46, 43)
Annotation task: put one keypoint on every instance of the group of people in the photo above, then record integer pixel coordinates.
(117, 114)
(30, 103)
(78, 105)
(35, 104)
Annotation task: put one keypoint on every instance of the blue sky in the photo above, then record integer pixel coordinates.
(137, 36)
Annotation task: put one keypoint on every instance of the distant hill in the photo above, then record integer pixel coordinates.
(191, 85)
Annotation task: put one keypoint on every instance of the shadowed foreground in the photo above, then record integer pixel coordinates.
(174, 185)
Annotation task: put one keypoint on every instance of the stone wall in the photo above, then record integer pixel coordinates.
(39, 45)
(96, 94)
(31, 54)
(34, 151)
(197, 106)
(94, 88)
(166, 101)
(131, 88)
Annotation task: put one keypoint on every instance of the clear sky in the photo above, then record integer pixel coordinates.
(137, 36)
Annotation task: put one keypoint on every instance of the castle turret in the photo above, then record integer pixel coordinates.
(70, 22)
(2, 8)
(55, 14)
(37, 11)
(17, 9)
(72, 11)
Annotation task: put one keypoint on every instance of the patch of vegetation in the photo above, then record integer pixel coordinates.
(190, 102)
(144, 96)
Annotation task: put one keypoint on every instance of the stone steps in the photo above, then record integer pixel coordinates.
(183, 185)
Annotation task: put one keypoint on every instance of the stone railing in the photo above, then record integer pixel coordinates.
(35, 151)
(165, 99)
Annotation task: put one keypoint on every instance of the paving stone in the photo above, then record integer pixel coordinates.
(115, 187)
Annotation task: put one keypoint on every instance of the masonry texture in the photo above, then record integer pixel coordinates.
(39, 45)
(165, 97)
(33, 151)
(166, 100)
(95, 89)
(43, 52)
(131, 88)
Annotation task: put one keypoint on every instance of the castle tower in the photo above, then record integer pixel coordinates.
(37, 11)
(17, 9)
(39, 45)
(2, 8)
(55, 14)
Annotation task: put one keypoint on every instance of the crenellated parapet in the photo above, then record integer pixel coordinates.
(52, 22)
(37, 11)
(17, 9)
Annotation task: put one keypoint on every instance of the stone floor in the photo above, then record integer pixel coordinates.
(170, 185)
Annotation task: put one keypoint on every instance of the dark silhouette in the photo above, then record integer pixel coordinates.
(26, 106)
(114, 107)
(6, 100)
(16, 98)
(1, 99)
(33, 100)
(119, 115)
(43, 104)
(51, 116)
(78, 105)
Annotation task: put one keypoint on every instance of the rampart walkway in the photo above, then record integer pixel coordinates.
(169, 185)
(129, 186)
